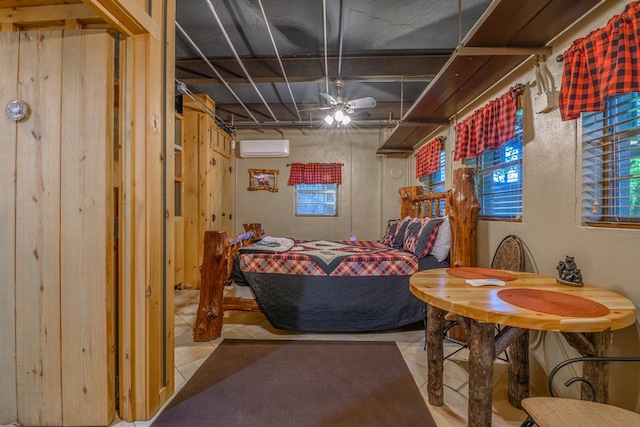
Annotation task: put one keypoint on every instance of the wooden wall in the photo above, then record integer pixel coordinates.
(57, 240)
(65, 279)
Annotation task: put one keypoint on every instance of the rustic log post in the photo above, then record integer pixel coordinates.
(435, 353)
(519, 369)
(213, 273)
(256, 227)
(481, 357)
(463, 215)
(408, 207)
(597, 372)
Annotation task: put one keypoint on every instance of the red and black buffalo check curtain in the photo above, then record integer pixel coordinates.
(315, 173)
(488, 128)
(605, 62)
(428, 158)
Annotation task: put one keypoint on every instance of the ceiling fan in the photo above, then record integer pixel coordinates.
(342, 107)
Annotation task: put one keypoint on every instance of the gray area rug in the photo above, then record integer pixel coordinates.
(280, 383)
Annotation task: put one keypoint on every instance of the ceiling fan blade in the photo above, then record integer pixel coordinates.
(329, 98)
(367, 102)
(316, 108)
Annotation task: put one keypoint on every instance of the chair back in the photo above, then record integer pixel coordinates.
(509, 255)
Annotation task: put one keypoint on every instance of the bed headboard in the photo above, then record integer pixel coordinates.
(462, 206)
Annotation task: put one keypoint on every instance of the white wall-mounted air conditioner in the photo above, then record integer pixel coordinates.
(264, 148)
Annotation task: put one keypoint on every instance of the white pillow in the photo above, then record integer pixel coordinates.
(442, 245)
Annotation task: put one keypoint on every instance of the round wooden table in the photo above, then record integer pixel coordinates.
(480, 309)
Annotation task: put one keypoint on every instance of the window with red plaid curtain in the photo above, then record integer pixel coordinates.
(488, 128)
(604, 63)
(315, 173)
(428, 158)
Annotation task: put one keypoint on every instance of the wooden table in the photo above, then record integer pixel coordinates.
(479, 309)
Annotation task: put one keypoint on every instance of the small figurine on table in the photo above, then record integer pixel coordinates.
(568, 272)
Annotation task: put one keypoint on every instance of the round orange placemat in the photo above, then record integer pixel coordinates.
(551, 302)
(481, 273)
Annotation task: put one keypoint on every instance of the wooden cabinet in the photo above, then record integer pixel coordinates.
(178, 220)
(207, 181)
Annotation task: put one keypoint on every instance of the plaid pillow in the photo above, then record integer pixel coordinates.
(398, 237)
(389, 235)
(420, 235)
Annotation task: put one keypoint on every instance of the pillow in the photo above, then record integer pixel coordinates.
(442, 245)
(398, 236)
(420, 235)
(388, 237)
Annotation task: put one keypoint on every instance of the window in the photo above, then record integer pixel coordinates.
(499, 178)
(611, 162)
(316, 199)
(434, 183)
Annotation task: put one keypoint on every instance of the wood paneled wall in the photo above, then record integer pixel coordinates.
(57, 261)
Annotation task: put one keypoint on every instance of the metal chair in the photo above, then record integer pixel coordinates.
(557, 411)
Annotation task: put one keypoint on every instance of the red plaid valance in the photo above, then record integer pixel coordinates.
(488, 128)
(605, 62)
(428, 158)
(315, 173)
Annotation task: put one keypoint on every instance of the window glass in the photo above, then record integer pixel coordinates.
(316, 199)
(611, 162)
(499, 178)
(434, 183)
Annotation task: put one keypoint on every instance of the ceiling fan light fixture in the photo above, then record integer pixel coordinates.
(329, 119)
(346, 120)
(339, 115)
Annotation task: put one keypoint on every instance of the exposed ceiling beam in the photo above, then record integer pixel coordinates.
(287, 111)
(35, 14)
(311, 68)
(126, 16)
(518, 51)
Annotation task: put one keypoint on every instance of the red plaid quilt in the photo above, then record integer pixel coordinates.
(333, 258)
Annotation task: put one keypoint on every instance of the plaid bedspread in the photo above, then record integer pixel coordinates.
(333, 258)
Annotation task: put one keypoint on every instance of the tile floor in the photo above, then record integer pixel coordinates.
(189, 355)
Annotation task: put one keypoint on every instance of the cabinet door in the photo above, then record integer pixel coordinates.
(178, 222)
(217, 180)
(227, 195)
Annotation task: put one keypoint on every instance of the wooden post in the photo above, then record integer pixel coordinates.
(519, 369)
(598, 372)
(435, 354)
(408, 207)
(481, 357)
(463, 215)
(210, 314)
(256, 227)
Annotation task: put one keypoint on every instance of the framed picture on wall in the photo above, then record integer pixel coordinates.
(263, 179)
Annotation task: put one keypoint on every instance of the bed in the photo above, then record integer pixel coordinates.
(340, 286)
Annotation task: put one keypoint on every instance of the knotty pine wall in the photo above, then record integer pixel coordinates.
(56, 267)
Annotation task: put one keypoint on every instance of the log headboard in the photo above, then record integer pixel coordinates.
(462, 207)
(460, 204)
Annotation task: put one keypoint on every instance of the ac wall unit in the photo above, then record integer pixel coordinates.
(264, 148)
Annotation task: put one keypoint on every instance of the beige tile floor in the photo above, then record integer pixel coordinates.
(189, 355)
